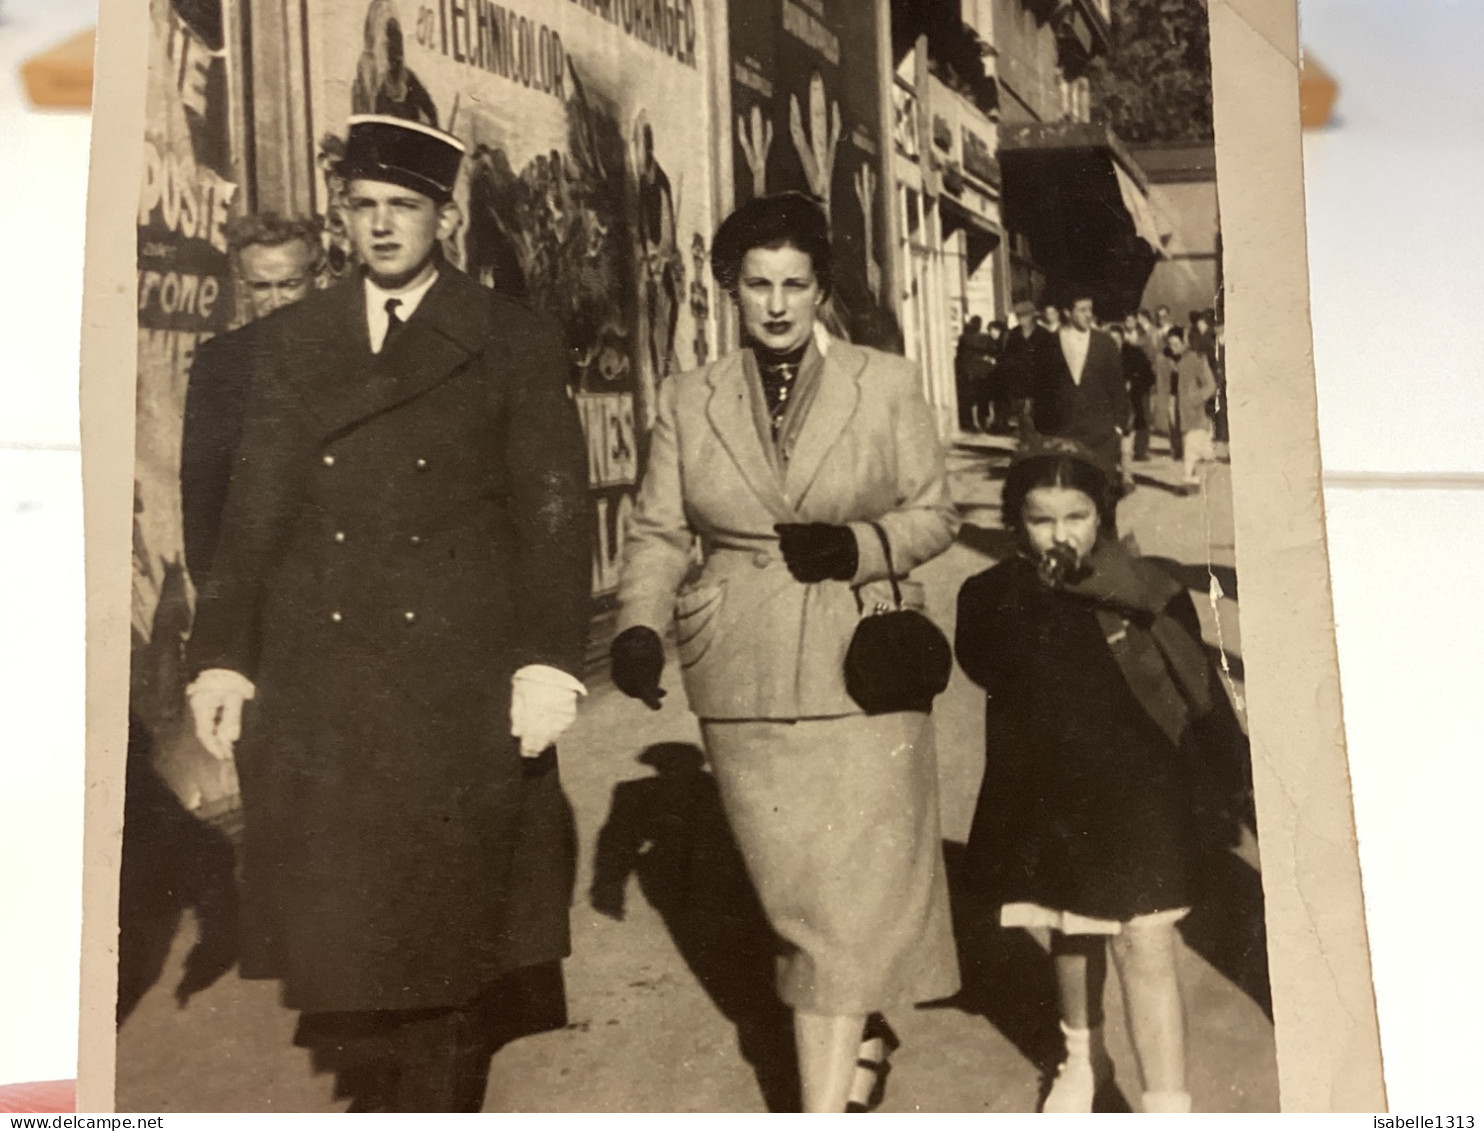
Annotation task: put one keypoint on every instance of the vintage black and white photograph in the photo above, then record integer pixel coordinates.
(684, 559)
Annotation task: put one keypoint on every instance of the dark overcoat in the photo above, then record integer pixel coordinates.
(403, 531)
(1086, 805)
(216, 397)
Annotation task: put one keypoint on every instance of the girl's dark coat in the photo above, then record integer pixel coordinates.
(1087, 806)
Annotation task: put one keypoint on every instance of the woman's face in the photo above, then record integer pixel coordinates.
(778, 296)
(1060, 516)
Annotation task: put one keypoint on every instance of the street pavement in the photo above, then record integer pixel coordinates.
(669, 987)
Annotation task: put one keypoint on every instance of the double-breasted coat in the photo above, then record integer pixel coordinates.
(754, 643)
(403, 531)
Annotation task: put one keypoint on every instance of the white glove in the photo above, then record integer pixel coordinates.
(216, 700)
(543, 704)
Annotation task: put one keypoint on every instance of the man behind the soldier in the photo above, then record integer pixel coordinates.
(393, 627)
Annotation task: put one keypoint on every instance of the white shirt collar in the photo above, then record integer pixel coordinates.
(376, 316)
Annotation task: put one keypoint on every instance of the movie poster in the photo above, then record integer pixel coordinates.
(587, 189)
(806, 114)
(187, 195)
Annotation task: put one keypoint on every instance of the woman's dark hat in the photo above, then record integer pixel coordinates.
(792, 217)
(382, 148)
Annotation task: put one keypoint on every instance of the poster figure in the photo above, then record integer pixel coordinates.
(661, 265)
(700, 296)
(755, 136)
(816, 145)
(384, 84)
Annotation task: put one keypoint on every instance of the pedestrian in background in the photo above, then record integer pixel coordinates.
(1094, 671)
(1017, 368)
(1080, 390)
(277, 261)
(1139, 375)
(1195, 387)
(971, 366)
(778, 459)
(996, 409)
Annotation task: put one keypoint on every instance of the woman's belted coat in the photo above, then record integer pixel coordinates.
(754, 643)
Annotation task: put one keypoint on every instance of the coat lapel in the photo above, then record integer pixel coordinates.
(834, 405)
(729, 410)
(450, 325)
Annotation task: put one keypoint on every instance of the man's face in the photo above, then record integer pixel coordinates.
(1176, 345)
(1162, 316)
(1081, 314)
(275, 277)
(394, 230)
(1051, 316)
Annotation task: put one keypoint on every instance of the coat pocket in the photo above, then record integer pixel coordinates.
(696, 620)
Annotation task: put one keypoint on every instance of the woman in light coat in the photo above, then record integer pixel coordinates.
(777, 459)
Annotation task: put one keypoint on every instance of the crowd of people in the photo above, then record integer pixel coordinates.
(1166, 379)
(385, 488)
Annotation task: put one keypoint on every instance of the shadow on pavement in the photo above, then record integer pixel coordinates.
(670, 832)
(171, 863)
(1008, 980)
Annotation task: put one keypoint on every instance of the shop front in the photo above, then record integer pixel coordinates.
(1082, 215)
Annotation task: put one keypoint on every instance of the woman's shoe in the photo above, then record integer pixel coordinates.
(868, 1089)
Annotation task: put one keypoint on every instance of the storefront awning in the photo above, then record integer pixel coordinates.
(1150, 225)
(1084, 206)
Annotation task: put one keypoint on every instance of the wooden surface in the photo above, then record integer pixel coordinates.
(1317, 94)
(62, 76)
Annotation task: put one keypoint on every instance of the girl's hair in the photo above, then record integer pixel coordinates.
(791, 219)
(1053, 470)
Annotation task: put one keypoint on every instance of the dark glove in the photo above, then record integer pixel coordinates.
(818, 551)
(637, 657)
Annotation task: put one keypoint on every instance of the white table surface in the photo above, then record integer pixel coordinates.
(1396, 249)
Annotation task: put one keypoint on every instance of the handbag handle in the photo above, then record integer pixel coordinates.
(891, 573)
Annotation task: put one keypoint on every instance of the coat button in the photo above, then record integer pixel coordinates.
(335, 617)
(416, 539)
(410, 617)
(761, 559)
(327, 459)
(421, 464)
(340, 536)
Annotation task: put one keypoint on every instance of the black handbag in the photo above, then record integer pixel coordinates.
(898, 659)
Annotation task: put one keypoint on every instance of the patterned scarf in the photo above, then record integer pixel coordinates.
(779, 372)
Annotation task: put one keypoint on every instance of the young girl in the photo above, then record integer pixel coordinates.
(1094, 671)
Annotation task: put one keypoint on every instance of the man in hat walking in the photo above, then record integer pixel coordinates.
(389, 643)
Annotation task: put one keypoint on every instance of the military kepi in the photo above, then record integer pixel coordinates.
(398, 152)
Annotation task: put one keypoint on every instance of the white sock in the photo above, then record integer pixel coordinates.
(1078, 1042)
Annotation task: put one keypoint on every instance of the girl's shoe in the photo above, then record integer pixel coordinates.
(1075, 1087)
(868, 1088)
(1086, 1069)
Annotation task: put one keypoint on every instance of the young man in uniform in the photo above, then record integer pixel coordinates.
(389, 643)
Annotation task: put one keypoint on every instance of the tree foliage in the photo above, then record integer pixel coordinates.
(1155, 83)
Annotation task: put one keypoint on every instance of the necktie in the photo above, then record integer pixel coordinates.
(393, 323)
